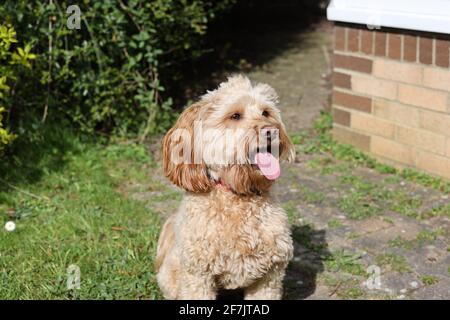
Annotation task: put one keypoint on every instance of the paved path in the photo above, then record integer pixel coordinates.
(358, 234)
(299, 74)
(337, 246)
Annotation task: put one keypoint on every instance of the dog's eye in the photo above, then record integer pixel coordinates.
(236, 116)
(265, 113)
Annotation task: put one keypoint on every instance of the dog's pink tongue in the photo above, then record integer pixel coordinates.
(268, 164)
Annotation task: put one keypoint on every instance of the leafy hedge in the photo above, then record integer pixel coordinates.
(107, 74)
(12, 57)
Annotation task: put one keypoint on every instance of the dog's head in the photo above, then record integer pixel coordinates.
(233, 136)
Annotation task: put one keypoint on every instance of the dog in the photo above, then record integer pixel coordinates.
(229, 232)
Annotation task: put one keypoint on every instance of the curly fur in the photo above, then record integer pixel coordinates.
(229, 231)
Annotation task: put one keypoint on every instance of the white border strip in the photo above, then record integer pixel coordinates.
(431, 15)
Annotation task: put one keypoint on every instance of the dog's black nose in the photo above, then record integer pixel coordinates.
(269, 141)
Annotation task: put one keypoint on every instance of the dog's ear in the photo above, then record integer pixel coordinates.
(180, 164)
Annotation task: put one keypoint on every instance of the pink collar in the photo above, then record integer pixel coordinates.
(221, 185)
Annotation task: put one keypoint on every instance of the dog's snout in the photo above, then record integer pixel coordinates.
(268, 130)
(268, 134)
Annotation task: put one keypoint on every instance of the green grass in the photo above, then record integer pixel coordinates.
(429, 236)
(362, 199)
(388, 220)
(328, 165)
(342, 261)
(439, 210)
(393, 261)
(310, 196)
(429, 280)
(423, 237)
(291, 210)
(400, 242)
(352, 293)
(357, 205)
(344, 287)
(68, 210)
(405, 204)
(334, 223)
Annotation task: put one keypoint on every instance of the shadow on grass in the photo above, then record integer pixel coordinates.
(252, 34)
(33, 154)
(310, 252)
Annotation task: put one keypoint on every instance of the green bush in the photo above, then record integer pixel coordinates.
(11, 58)
(113, 72)
(5, 136)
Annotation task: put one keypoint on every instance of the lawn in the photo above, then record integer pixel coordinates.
(65, 201)
(98, 205)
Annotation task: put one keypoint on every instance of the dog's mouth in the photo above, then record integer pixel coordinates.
(268, 165)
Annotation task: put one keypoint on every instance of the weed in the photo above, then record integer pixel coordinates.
(393, 261)
(400, 242)
(429, 280)
(346, 262)
(334, 223)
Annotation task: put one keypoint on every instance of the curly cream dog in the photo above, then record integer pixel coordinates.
(229, 231)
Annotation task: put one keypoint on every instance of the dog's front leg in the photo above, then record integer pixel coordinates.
(197, 287)
(270, 287)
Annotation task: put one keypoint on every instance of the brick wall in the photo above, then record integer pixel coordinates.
(391, 95)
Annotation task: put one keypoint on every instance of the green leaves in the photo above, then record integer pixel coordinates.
(107, 75)
(8, 73)
(23, 56)
(3, 86)
(7, 37)
(5, 136)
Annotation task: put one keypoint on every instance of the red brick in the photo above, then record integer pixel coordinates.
(353, 63)
(410, 48)
(367, 41)
(426, 50)
(341, 117)
(352, 101)
(380, 43)
(353, 39)
(341, 80)
(339, 38)
(442, 53)
(395, 46)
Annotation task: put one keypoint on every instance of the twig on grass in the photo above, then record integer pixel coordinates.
(335, 289)
(24, 191)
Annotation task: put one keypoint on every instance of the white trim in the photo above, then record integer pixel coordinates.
(429, 15)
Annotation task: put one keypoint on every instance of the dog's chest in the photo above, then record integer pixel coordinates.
(238, 241)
